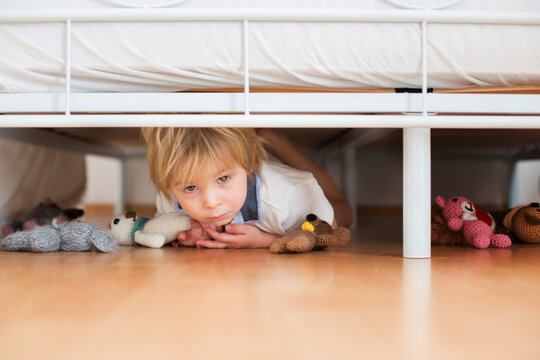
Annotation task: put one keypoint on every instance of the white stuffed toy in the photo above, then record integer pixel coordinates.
(128, 229)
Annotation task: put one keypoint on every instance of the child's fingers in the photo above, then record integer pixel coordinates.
(189, 242)
(239, 229)
(182, 236)
(210, 226)
(211, 244)
(224, 237)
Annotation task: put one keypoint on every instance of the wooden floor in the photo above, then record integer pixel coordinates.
(360, 302)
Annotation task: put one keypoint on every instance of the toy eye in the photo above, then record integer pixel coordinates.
(116, 221)
(535, 204)
(311, 217)
(455, 200)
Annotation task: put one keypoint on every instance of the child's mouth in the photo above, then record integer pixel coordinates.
(220, 217)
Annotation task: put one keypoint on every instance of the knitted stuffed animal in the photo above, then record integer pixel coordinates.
(128, 229)
(462, 215)
(42, 214)
(60, 236)
(523, 222)
(315, 234)
(440, 233)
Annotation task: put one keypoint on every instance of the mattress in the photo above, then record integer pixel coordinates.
(178, 56)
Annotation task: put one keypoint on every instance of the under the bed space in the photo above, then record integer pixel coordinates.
(362, 65)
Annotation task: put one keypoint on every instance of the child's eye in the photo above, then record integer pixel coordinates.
(190, 188)
(223, 179)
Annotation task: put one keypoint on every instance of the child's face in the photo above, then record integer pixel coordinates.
(214, 195)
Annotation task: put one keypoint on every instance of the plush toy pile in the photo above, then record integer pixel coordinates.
(48, 228)
(42, 214)
(315, 234)
(60, 236)
(463, 217)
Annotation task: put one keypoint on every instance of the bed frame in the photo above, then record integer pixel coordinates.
(416, 113)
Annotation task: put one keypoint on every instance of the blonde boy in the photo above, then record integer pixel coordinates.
(221, 178)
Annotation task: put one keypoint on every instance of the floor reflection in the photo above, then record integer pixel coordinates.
(416, 310)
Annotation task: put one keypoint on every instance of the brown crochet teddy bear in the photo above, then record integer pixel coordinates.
(315, 234)
(523, 223)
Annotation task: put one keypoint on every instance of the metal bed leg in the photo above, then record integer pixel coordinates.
(416, 193)
(348, 166)
(122, 186)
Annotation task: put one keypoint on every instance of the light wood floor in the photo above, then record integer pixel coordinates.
(360, 302)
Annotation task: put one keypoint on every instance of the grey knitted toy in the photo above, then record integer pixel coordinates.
(68, 236)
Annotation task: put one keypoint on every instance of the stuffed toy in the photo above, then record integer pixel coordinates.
(128, 229)
(461, 215)
(315, 234)
(60, 236)
(440, 233)
(42, 214)
(522, 222)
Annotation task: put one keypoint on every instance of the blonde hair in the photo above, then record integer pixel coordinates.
(176, 154)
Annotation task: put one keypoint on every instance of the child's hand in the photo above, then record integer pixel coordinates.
(237, 236)
(197, 232)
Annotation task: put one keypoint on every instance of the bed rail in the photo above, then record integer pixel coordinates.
(273, 14)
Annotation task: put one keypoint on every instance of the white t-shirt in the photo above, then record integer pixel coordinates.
(286, 196)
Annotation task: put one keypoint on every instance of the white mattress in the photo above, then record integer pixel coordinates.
(143, 57)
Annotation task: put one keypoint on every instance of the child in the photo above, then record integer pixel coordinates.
(236, 198)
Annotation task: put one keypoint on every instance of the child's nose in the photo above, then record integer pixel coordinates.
(211, 200)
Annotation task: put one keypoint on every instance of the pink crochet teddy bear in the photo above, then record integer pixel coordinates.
(462, 215)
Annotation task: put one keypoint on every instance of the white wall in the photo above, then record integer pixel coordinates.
(525, 186)
(139, 189)
(104, 185)
(380, 172)
(379, 178)
(484, 181)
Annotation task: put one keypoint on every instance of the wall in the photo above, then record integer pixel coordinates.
(105, 186)
(379, 178)
(103, 182)
(525, 187)
(484, 179)
(139, 189)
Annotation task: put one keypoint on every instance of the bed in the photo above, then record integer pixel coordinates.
(368, 65)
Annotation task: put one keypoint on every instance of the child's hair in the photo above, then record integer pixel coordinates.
(176, 154)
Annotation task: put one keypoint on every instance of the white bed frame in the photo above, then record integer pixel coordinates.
(417, 111)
